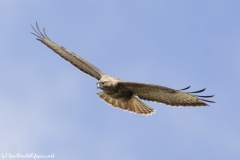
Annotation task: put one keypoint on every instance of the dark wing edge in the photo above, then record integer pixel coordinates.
(168, 96)
(200, 97)
(71, 57)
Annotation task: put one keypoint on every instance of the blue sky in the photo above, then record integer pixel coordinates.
(47, 106)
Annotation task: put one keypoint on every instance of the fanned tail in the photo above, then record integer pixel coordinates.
(132, 105)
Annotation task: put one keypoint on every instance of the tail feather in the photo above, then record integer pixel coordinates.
(132, 105)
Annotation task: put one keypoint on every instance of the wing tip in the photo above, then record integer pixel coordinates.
(38, 33)
(199, 97)
(184, 88)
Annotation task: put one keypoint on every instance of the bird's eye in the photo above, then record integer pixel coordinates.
(103, 83)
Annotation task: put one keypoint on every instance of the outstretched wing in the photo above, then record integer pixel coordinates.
(74, 59)
(165, 95)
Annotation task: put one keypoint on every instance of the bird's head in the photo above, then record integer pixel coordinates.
(106, 83)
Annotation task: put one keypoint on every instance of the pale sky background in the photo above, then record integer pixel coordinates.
(47, 106)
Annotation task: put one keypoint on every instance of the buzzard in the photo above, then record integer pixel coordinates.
(126, 95)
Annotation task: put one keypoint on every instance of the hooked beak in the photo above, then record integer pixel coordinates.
(98, 86)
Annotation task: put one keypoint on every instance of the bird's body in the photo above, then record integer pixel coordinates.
(110, 86)
(124, 94)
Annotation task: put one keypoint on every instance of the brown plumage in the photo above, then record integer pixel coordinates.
(124, 94)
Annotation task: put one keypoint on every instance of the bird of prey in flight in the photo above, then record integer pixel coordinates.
(126, 95)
